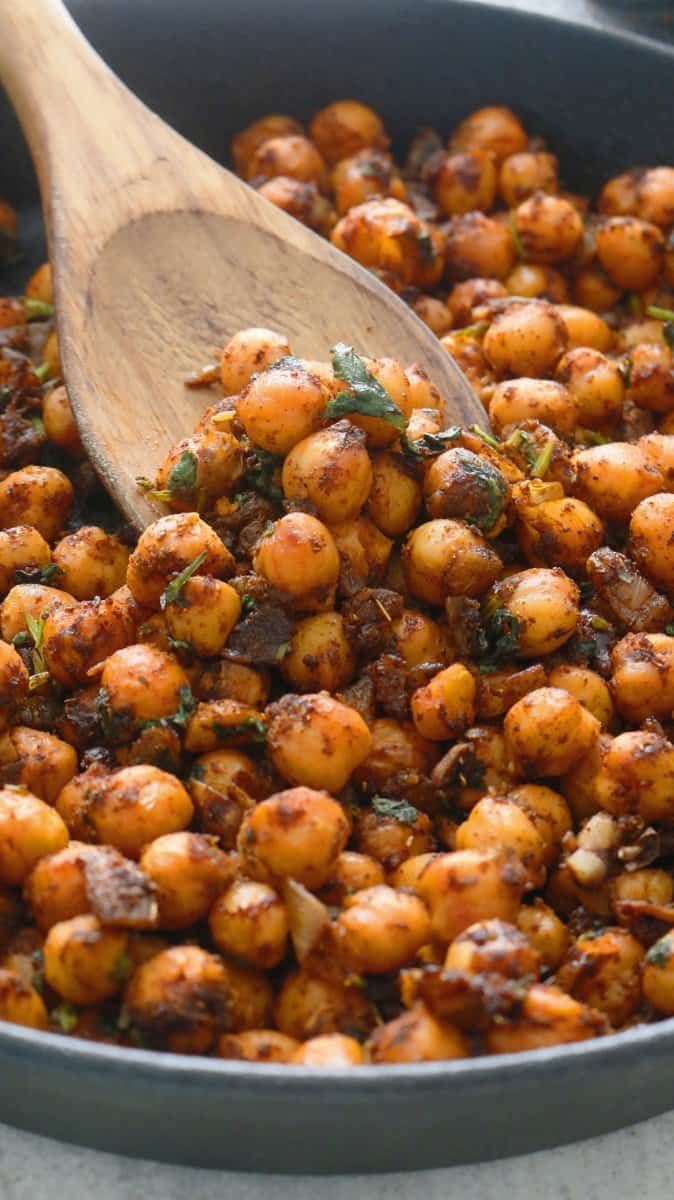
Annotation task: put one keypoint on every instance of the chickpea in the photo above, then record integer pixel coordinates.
(643, 675)
(308, 1006)
(468, 355)
(525, 173)
(20, 1003)
(316, 740)
(225, 679)
(39, 286)
(395, 496)
(29, 830)
(37, 496)
(445, 706)
(658, 975)
(548, 1018)
(59, 421)
(596, 384)
(249, 920)
(544, 931)
(320, 657)
(605, 973)
(85, 962)
(91, 562)
(247, 142)
(332, 470)
(364, 553)
(445, 557)
(388, 236)
(363, 176)
(51, 357)
(579, 785)
(648, 883)
(659, 451)
(537, 282)
(396, 749)
(56, 887)
(132, 807)
(295, 834)
(345, 127)
(478, 245)
(166, 548)
(282, 406)
(419, 639)
(655, 196)
(635, 332)
(39, 761)
(630, 251)
(223, 786)
(585, 328)
(189, 872)
(652, 539)
(299, 557)
(291, 155)
(250, 352)
(393, 379)
(542, 400)
(545, 604)
(564, 531)
(217, 458)
(466, 886)
(392, 837)
(494, 128)
(380, 929)
(548, 731)
(218, 722)
(498, 824)
(142, 683)
(652, 378)
(593, 289)
(330, 1050)
(614, 479)
(463, 182)
(353, 872)
(205, 615)
(22, 548)
(76, 639)
(461, 484)
(301, 200)
(409, 872)
(257, 1045)
(494, 947)
(423, 420)
(465, 297)
(32, 600)
(434, 314)
(525, 339)
(588, 687)
(13, 681)
(549, 228)
(637, 776)
(417, 1036)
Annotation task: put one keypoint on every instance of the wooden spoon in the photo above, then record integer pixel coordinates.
(159, 255)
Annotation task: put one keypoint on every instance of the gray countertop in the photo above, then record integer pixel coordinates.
(638, 1162)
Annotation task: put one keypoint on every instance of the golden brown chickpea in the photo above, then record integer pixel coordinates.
(380, 929)
(447, 558)
(548, 227)
(564, 531)
(189, 872)
(166, 548)
(21, 1004)
(596, 384)
(248, 353)
(29, 830)
(652, 539)
(643, 675)
(345, 127)
(519, 400)
(395, 496)
(393, 379)
(59, 421)
(618, 197)
(257, 1045)
(291, 155)
(593, 289)
(548, 812)
(317, 741)
(142, 683)
(362, 176)
(22, 548)
(494, 947)
(249, 921)
(282, 406)
(37, 760)
(218, 722)
(91, 562)
(636, 776)
(76, 639)
(364, 552)
(320, 657)
(614, 479)
(604, 972)
(205, 615)
(396, 748)
(419, 639)
(408, 874)
(588, 687)
(445, 706)
(635, 332)
(56, 888)
(630, 251)
(548, 731)
(585, 328)
(295, 834)
(525, 339)
(332, 470)
(545, 604)
(391, 837)
(537, 283)
(658, 975)
(85, 962)
(466, 886)
(498, 824)
(423, 420)
(647, 883)
(463, 182)
(301, 200)
(308, 1006)
(527, 172)
(494, 128)
(217, 458)
(544, 931)
(462, 484)
(132, 807)
(39, 286)
(247, 142)
(579, 785)
(548, 1018)
(224, 785)
(32, 600)
(655, 196)
(465, 297)
(299, 557)
(468, 355)
(417, 1036)
(37, 496)
(433, 313)
(387, 235)
(352, 872)
(651, 383)
(51, 358)
(330, 1050)
(478, 245)
(228, 680)
(14, 682)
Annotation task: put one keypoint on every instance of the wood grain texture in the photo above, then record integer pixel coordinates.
(159, 255)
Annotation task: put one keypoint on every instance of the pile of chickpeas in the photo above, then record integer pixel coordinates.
(362, 752)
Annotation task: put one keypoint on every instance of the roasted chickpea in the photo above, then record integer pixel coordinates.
(222, 722)
(291, 155)
(32, 602)
(419, 639)
(59, 421)
(301, 200)
(548, 731)
(189, 872)
(250, 352)
(447, 558)
(596, 384)
(652, 377)
(463, 182)
(494, 128)
(445, 706)
(225, 679)
(380, 929)
(648, 883)
(308, 1006)
(316, 740)
(330, 1050)
(478, 245)
(20, 1003)
(417, 1036)
(39, 761)
(466, 886)
(545, 604)
(614, 479)
(396, 749)
(658, 975)
(56, 888)
(332, 470)
(525, 173)
(544, 931)
(247, 142)
(605, 973)
(249, 920)
(593, 289)
(564, 531)
(494, 947)
(362, 176)
(345, 127)
(84, 961)
(142, 683)
(223, 786)
(166, 548)
(205, 615)
(549, 228)
(364, 553)
(525, 339)
(537, 282)
(388, 236)
(257, 1045)
(37, 496)
(395, 496)
(643, 675)
(497, 823)
(461, 484)
(548, 1018)
(465, 297)
(299, 557)
(296, 834)
(630, 251)
(652, 539)
(637, 776)
(39, 286)
(320, 657)
(392, 832)
(353, 872)
(132, 807)
(588, 687)
(282, 406)
(519, 400)
(585, 328)
(29, 830)
(22, 548)
(91, 562)
(217, 458)
(433, 312)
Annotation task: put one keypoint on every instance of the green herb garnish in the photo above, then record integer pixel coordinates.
(516, 235)
(660, 314)
(426, 246)
(366, 395)
(173, 593)
(429, 445)
(502, 635)
(36, 631)
(659, 954)
(37, 310)
(182, 479)
(487, 438)
(253, 730)
(542, 462)
(122, 968)
(248, 604)
(399, 810)
(66, 1016)
(493, 484)
(261, 473)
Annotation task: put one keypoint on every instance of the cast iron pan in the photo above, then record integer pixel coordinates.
(209, 67)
